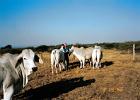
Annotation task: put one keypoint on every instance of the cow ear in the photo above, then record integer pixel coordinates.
(36, 58)
(20, 60)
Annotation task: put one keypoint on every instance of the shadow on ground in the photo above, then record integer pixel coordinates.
(103, 64)
(107, 63)
(54, 89)
(74, 65)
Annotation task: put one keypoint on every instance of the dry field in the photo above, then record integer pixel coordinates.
(119, 79)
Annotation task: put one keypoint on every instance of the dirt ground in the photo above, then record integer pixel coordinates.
(118, 79)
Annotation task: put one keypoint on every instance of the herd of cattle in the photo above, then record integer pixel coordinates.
(15, 68)
(94, 55)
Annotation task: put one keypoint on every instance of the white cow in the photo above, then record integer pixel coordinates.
(82, 54)
(97, 56)
(57, 60)
(14, 71)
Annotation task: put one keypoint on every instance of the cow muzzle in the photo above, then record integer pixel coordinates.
(34, 69)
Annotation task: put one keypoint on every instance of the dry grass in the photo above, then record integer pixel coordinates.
(119, 79)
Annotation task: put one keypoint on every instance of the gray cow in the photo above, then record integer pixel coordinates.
(82, 54)
(14, 71)
(57, 60)
(97, 55)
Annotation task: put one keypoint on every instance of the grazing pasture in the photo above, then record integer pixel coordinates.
(118, 79)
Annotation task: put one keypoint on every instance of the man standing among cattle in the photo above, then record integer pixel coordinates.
(66, 54)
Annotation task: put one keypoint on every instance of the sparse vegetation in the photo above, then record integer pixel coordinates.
(43, 48)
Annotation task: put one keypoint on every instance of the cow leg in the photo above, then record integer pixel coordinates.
(97, 64)
(98, 61)
(83, 63)
(100, 64)
(64, 66)
(90, 63)
(60, 67)
(94, 61)
(80, 64)
(56, 68)
(94, 64)
(8, 92)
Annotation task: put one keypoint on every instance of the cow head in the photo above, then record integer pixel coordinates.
(72, 48)
(28, 58)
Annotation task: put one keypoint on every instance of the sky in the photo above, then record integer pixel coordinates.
(51, 22)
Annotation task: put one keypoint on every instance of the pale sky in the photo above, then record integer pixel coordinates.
(51, 22)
